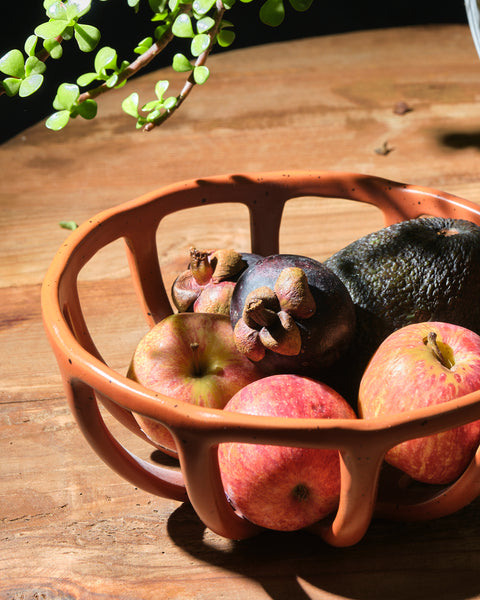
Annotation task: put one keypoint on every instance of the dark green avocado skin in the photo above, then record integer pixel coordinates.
(425, 269)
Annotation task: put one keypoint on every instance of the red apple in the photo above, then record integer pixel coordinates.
(190, 357)
(420, 365)
(276, 487)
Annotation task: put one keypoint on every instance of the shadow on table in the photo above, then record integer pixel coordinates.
(419, 561)
(459, 140)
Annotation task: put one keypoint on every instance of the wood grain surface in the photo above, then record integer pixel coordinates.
(69, 527)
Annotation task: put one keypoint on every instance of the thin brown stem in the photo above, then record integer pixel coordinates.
(137, 65)
(190, 82)
(144, 59)
(435, 348)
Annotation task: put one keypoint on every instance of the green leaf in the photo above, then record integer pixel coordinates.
(58, 120)
(148, 41)
(112, 80)
(205, 24)
(134, 4)
(160, 31)
(30, 45)
(57, 11)
(71, 225)
(30, 85)
(33, 65)
(87, 37)
(301, 5)
(151, 105)
(161, 16)
(67, 95)
(78, 8)
(83, 6)
(272, 12)
(68, 33)
(225, 38)
(130, 105)
(87, 109)
(155, 114)
(144, 45)
(170, 103)
(53, 47)
(11, 85)
(181, 64)
(201, 74)
(51, 29)
(228, 4)
(160, 88)
(199, 44)
(86, 79)
(157, 6)
(48, 3)
(202, 7)
(106, 58)
(173, 5)
(12, 63)
(182, 27)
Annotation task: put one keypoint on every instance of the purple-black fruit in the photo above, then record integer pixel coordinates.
(292, 314)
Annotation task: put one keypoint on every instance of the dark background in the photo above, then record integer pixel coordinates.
(114, 18)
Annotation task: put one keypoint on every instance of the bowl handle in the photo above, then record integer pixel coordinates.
(358, 493)
(359, 485)
(154, 479)
(447, 501)
(199, 464)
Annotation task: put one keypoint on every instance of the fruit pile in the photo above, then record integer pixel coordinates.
(388, 324)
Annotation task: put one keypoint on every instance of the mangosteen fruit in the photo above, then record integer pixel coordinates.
(292, 314)
(207, 269)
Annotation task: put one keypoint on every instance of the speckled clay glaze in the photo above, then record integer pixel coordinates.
(197, 431)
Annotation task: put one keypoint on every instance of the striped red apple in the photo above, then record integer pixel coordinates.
(278, 487)
(420, 365)
(190, 357)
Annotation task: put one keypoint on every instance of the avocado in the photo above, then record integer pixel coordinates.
(418, 270)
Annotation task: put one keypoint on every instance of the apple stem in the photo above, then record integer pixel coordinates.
(197, 369)
(432, 343)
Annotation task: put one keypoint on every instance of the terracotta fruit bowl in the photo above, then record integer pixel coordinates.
(366, 489)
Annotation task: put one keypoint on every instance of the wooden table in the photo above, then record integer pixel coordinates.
(70, 527)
